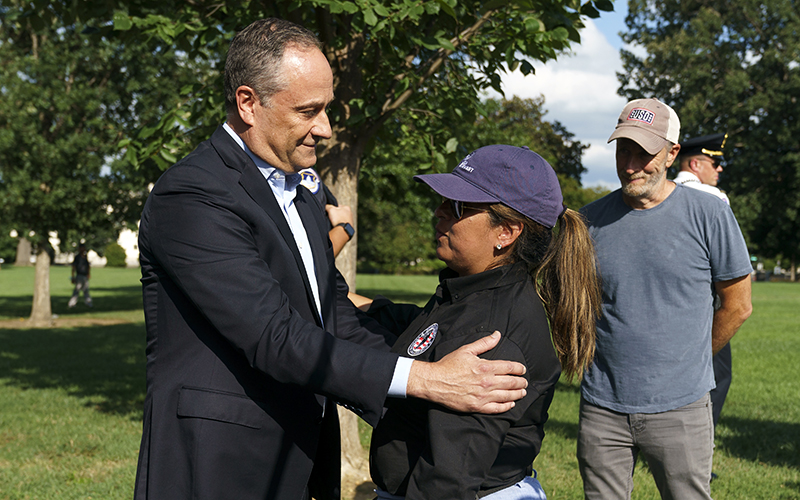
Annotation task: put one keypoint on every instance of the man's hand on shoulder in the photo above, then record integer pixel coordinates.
(464, 382)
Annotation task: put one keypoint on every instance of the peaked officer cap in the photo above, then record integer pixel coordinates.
(710, 145)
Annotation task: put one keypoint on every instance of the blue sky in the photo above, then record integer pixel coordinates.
(580, 91)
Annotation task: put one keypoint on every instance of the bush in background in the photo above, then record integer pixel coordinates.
(115, 255)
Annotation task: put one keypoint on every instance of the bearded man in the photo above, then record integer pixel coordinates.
(661, 249)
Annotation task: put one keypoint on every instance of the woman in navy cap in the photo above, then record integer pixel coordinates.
(506, 271)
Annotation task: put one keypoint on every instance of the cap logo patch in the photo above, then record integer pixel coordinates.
(423, 340)
(310, 180)
(464, 163)
(642, 115)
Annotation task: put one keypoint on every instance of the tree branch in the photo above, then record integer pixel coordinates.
(435, 63)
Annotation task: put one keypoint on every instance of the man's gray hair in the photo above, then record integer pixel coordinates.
(256, 54)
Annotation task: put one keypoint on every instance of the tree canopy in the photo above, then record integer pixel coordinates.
(67, 98)
(733, 69)
(432, 56)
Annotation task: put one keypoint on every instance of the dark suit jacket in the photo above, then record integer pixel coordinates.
(236, 358)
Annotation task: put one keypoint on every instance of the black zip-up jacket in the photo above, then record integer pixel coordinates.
(424, 450)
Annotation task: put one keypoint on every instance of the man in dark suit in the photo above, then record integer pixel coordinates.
(249, 332)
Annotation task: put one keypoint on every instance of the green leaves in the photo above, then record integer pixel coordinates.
(592, 7)
(589, 10)
(533, 25)
(122, 21)
(604, 5)
(370, 18)
(68, 163)
(447, 7)
(337, 7)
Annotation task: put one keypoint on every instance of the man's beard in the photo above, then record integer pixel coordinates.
(646, 189)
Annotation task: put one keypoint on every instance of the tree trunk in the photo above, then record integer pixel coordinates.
(23, 252)
(41, 312)
(355, 463)
(794, 270)
(355, 466)
(339, 165)
(345, 188)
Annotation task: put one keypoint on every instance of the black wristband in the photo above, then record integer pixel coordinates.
(347, 229)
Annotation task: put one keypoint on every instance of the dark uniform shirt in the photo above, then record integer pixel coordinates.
(81, 265)
(423, 450)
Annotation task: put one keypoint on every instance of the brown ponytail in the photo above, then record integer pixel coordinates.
(567, 281)
(569, 286)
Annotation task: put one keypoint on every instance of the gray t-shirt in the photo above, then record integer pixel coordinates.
(657, 267)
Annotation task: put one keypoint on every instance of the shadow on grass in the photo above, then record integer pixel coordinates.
(567, 430)
(399, 297)
(792, 485)
(105, 299)
(571, 387)
(773, 443)
(18, 306)
(104, 364)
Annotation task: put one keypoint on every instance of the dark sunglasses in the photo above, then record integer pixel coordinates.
(458, 207)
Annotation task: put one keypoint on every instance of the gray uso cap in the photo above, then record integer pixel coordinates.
(514, 176)
(648, 122)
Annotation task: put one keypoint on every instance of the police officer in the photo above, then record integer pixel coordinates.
(700, 164)
(701, 159)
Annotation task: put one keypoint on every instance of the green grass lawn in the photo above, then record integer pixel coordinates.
(71, 398)
(116, 293)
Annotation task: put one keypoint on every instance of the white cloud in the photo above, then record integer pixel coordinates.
(601, 166)
(580, 91)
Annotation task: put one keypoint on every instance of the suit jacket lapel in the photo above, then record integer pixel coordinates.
(310, 215)
(254, 183)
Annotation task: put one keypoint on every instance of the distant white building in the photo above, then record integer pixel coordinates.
(129, 240)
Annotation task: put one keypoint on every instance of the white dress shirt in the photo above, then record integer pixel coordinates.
(688, 179)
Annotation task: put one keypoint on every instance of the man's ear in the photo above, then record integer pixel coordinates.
(672, 154)
(246, 102)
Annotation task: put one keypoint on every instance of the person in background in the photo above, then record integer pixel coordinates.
(508, 270)
(80, 275)
(661, 247)
(250, 336)
(701, 163)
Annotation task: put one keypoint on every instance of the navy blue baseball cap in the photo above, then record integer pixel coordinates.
(514, 176)
(709, 145)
